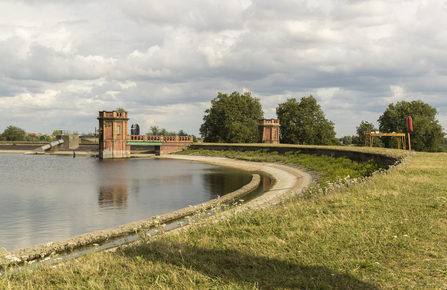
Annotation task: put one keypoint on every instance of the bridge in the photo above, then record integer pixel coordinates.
(115, 141)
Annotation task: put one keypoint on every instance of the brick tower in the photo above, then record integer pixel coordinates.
(268, 131)
(113, 135)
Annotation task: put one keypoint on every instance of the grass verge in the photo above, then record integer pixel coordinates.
(330, 170)
(386, 232)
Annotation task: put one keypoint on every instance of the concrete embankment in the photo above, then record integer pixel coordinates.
(27, 148)
(289, 181)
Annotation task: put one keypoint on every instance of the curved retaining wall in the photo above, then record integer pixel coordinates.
(283, 148)
(60, 246)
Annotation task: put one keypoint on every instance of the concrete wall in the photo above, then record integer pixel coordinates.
(71, 142)
(174, 147)
(353, 155)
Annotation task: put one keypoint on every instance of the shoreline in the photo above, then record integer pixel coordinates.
(289, 181)
(31, 152)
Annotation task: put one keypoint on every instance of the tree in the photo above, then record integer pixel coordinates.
(13, 133)
(154, 131)
(347, 140)
(182, 133)
(443, 144)
(304, 123)
(427, 134)
(56, 133)
(232, 119)
(363, 128)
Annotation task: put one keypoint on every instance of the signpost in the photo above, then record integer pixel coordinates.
(409, 129)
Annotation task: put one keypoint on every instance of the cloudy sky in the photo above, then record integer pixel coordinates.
(62, 61)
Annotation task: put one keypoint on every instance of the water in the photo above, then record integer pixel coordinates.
(47, 198)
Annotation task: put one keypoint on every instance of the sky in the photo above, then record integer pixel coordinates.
(62, 61)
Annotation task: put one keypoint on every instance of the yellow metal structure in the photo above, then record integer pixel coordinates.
(400, 138)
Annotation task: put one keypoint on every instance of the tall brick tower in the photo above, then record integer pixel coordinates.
(268, 131)
(113, 135)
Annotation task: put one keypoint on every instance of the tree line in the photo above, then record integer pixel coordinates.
(233, 119)
(428, 134)
(157, 131)
(13, 133)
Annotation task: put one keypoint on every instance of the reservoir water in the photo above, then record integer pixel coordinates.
(47, 198)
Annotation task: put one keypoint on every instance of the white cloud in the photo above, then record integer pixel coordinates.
(165, 59)
(45, 100)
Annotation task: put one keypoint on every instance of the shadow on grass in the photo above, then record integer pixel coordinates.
(235, 267)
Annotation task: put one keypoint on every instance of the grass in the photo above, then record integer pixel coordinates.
(329, 169)
(388, 232)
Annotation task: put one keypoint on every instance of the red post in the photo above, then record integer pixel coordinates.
(409, 129)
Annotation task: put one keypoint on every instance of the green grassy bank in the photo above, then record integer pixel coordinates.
(390, 231)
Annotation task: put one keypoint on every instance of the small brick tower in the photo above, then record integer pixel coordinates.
(268, 131)
(113, 135)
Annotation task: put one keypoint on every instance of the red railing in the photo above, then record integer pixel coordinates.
(271, 121)
(151, 138)
(113, 114)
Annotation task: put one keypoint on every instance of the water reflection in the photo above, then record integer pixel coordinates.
(218, 184)
(176, 179)
(113, 196)
(113, 177)
(266, 183)
(45, 198)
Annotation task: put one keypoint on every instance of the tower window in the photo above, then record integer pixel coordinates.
(118, 131)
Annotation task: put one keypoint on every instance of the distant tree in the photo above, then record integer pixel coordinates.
(347, 140)
(48, 138)
(164, 132)
(443, 144)
(1, 138)
(363, 128)
(182, 133)
(56, 132)
(120, 110)
(304, 123)
(232, 118)
(154, 131)
(427, 134)
(41, 137)
(13, 133)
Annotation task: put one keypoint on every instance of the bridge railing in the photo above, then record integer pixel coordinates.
(166, 139)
